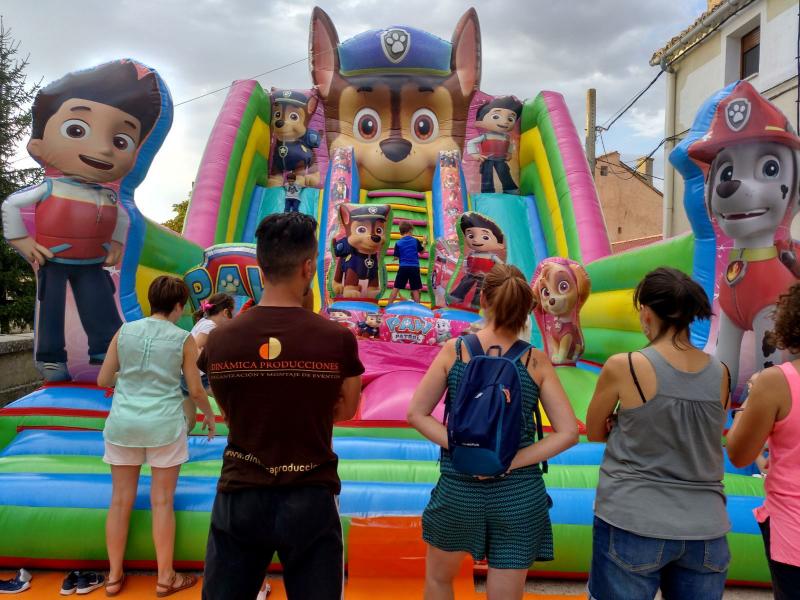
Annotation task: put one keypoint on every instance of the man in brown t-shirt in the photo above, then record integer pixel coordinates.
(282, 374)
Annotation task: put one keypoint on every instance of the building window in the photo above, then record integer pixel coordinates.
(604, 170)
(751, 46)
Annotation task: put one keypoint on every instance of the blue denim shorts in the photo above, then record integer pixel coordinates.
(627, 566)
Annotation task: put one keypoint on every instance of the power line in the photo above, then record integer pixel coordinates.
(273, 70)
(631, 103)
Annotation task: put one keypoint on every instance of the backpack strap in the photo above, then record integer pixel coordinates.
(473, 345)
(516, 351)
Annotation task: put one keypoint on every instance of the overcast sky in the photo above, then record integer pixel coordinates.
(202, 45)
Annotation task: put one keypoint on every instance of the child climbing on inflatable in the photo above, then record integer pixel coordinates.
(407, 250)
(505, 518)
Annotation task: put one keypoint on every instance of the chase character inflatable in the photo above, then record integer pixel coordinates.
(495, 147)
(484, 246)
(398, 96)
(360, 249)
(295, 142)
(751, 154)
(86, 129)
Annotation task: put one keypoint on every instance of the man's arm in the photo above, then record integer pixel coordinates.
(349, 396)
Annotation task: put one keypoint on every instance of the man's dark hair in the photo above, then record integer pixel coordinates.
(405, 227)
(283, 242)
(472, 219)
(507, 102)
(165, 292)
(115, 83)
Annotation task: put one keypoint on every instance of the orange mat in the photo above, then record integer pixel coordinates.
(45, 586)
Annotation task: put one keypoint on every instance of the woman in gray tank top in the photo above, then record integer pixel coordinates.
(660, 516)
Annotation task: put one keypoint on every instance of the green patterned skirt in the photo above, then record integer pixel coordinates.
(505, 521)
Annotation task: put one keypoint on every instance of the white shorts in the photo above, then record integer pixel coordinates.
(160, 457)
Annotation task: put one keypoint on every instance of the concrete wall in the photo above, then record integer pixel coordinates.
(715, 63)
(17, 373)
(632, 209)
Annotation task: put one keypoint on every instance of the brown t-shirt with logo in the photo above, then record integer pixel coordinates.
(277, 373)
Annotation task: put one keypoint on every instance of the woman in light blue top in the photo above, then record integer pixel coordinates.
(147, 425)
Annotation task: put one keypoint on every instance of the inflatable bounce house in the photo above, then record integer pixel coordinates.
(395, 130)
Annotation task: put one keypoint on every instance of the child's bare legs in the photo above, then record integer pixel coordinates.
(393, 296)
(415, 295)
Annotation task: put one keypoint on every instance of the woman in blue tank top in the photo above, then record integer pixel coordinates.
(660, 517)
(505, 519)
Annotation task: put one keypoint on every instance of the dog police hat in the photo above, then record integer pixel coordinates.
(368, 212)
(395, 48)
(744, 116)
(289, 97)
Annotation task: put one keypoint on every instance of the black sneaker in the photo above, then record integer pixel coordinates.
(89, 581)
(70, 584)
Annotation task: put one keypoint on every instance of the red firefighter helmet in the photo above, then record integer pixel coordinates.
(744, 116)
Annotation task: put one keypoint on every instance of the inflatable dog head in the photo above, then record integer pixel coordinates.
(751, 156)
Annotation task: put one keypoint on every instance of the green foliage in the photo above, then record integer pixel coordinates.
(176, 222)
(17, 282)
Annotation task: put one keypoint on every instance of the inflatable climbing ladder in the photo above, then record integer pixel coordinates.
(414, 208)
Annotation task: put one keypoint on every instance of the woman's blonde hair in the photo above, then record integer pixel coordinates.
(508, 298)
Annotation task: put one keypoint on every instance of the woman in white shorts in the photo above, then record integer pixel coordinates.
(146, 425)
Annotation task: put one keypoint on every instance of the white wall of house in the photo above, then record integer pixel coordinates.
(714, 63)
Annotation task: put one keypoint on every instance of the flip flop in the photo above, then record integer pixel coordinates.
(119, 582)
(167, 589)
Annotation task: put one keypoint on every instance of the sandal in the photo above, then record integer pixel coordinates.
(167, 589)
(119, 584)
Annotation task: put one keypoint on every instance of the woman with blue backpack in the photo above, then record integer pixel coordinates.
(660, 518)
(490, 500)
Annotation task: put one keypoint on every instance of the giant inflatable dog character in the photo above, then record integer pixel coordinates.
(751, 154)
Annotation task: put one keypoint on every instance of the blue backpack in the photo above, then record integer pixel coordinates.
(484, 419)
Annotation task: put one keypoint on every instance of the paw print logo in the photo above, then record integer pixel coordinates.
(737, 113)
(230, 285)
(396, 43)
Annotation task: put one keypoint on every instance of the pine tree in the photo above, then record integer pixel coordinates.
(17, 282)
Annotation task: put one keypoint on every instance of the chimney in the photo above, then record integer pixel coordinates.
(644, 166)
(712, 4)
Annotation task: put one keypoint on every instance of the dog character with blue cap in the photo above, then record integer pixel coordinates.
(398, 96)
(294, 141)
(359, 250)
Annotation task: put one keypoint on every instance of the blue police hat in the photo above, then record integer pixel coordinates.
(396, 48)
(289, 97)
(368, 212)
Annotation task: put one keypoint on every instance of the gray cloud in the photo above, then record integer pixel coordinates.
(199, 46)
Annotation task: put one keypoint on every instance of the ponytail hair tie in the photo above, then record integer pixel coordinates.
(206, 306)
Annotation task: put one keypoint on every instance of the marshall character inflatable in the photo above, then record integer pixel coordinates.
(751, 156)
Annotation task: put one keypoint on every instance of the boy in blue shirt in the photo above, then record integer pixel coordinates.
(407, 251)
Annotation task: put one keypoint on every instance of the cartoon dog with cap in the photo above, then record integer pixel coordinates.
(294, 141)
(359, 250)
(398, 96)
(751, 157)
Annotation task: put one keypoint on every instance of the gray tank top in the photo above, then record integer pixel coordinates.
(661, 474)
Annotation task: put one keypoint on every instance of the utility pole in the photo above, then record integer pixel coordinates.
(591, 127)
